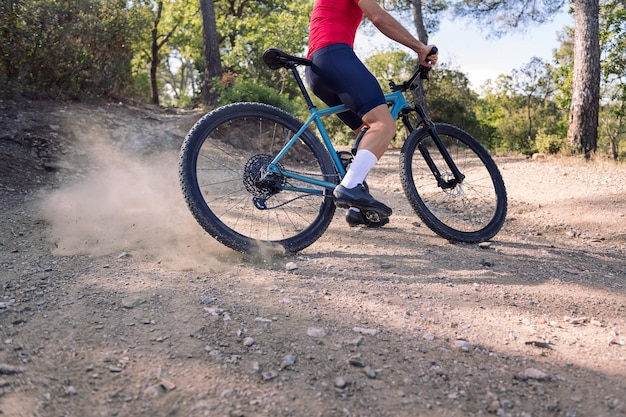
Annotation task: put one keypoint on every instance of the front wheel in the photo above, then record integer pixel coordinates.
(470, 211)
(223, 172)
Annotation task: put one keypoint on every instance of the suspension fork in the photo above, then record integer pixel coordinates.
(458, 177)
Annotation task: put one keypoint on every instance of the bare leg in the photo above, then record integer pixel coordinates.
(381, 129)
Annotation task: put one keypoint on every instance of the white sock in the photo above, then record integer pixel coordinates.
(363, 162)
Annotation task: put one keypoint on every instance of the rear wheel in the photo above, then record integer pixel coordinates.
(471, 211)
(221, 165)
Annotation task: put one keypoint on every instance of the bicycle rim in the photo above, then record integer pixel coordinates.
(221, 164)
(472, 211)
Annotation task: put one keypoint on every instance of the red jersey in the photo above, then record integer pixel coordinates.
(333, 21)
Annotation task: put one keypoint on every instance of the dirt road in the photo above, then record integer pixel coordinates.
(113, 301)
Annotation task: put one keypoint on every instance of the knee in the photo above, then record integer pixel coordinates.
(381, 121)
(390, 128)
(387, 126)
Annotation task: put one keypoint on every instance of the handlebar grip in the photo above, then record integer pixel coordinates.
(433, 51)
(423, 73)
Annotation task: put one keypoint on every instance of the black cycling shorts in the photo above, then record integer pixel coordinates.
(338, 76)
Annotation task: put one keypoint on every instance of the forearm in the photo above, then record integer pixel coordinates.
(390, 27)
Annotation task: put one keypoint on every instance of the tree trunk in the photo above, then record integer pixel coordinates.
(583, 121)
(154, 64)
(418, 21)
(154, 55)
(212, 60)
(613, 135)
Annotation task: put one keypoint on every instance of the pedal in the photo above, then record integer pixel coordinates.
(372, 216)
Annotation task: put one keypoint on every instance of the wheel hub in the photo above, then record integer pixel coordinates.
(258, 181)
(450, 185)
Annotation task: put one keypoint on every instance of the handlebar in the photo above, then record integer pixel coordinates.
(420, 71)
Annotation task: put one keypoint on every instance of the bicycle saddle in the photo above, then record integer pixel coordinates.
(275, 59)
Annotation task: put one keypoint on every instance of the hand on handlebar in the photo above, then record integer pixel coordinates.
(430, 57)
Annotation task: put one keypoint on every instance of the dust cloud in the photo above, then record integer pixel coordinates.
(130, 205)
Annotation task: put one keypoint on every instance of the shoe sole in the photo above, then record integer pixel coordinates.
(372, 225)
(381, 210)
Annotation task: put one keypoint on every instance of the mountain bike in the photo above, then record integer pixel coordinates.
(255, 177)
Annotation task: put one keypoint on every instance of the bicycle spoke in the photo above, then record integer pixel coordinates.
(234, 196)
(472, 210)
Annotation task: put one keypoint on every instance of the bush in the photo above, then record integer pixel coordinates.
(549, 144)
(252, 91)
(66, 50)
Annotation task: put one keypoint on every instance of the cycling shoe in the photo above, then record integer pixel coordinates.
(357, 218)
(358, 197)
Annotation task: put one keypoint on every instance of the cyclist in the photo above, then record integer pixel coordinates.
(337, 77)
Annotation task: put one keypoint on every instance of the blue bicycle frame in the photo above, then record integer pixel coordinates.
(395, 99)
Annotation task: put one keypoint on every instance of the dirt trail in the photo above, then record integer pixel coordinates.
(113, 302)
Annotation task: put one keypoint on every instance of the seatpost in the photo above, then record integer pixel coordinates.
(305, 93)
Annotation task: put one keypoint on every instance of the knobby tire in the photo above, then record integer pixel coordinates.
(220, 164)
(472, 211)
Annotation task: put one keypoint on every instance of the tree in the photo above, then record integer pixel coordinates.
(613, 41)
(519, 111)
(500, 16)
(450, 99)
(212, 60)
(12, 30)
(503, 15)
(613, 72)
(390, 65)
(247, 28)
(613, 120)
(166, 21)
(585, 107)
(180, 77)
(418, 20)
(159, 36)
(65, 49)
(502, 112)
(564, 67)
(425, 15)
(214, 44)
(533, 82)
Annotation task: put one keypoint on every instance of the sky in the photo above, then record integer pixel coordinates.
(462, 44)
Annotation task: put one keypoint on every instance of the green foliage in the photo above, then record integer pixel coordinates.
(249, 28)
(549, 144)
(390, 65)
(172, 25)
(563, 76)
(517, 107)
(451, 100)
(613, 65)
(448, 96)
(502, 16)
(612, 132)
(82, 48)
(252, 91)
(141, 87)
(245, 30)
(431, 11)
(65, 49)
(613, 40)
